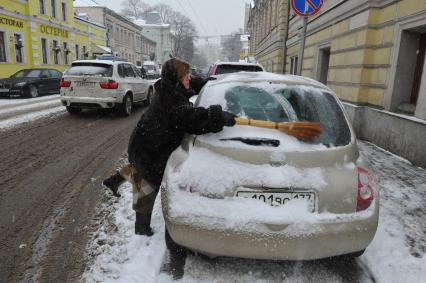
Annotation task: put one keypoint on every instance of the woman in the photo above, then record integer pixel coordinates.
(159, 132)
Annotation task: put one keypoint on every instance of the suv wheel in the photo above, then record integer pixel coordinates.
(73, 110)
(126, 106)
(149, 97)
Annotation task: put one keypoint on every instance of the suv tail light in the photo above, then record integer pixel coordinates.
(110, 84)
(365, 189)
(65, 83)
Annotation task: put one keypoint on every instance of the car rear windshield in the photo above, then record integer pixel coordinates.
(281, 103)
(149, 67)
(226, 69)
(90, 69)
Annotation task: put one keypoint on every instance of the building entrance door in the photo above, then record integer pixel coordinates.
(419, 69)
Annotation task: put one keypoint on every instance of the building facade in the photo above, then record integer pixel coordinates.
(267, 27)
(44, 33)
(372, 54)
(148, 49)
(124, 37)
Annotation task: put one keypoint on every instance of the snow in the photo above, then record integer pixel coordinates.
(191, 173)
(29, 106)
(397, 253)
(30, 117)
(20, 101)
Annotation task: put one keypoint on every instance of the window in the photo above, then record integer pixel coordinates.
(53, 8)
(85, 54)
(293, 65)
(45, 74)
(19, 54)
(77, 52)
(281, 103)
(3, 57)
(64, 11)
(66, 51)
(44, 50)
(92, 69)
(129, 71)
(323, 64)
(55, 74)
(41, 7)
(56, 50)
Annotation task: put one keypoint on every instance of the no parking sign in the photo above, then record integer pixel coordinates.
(306, 8)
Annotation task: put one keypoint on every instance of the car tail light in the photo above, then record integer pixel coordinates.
(110, 84)
(65, 83)
(365, 189)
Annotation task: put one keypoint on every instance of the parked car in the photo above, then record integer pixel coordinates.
(220, 68)
(260, 193)
(31, 83)
(91, 84)
(151, 69)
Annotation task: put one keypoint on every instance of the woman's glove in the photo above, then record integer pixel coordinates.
(228, 119)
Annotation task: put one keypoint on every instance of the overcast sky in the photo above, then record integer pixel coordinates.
(217, 17)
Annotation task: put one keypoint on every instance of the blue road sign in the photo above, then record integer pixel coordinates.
(306, 8)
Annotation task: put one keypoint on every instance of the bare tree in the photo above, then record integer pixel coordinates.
(182, 29)
(167, 14)
(134, 8)
(184, 33)
(232, 47)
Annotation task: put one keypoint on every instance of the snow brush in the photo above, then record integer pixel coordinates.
(302, 130)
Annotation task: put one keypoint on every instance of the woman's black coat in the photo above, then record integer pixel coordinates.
(161, 128)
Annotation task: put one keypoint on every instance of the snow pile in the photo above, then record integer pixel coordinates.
(397, 253)
(122, 256)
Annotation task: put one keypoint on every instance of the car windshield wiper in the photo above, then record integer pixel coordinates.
(255, 141)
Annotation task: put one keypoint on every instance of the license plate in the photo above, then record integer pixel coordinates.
(4, 90)
(280, 198)
(85, 84)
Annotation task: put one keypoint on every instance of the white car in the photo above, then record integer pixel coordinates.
(92, 84)
(256, 190)
(151, 69)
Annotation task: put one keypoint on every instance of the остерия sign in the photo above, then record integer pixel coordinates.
(53, 31)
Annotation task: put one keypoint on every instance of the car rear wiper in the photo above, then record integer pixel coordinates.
(255, 141)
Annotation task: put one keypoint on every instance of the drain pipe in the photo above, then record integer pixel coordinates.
(286, 37)
(302, 46)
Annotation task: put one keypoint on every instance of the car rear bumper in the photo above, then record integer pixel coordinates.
(324, 238)
(88, 102)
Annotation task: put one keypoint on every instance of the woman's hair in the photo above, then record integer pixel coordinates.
(182, 68)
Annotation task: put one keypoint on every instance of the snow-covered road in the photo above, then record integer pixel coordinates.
(397, 254)
(17, 111)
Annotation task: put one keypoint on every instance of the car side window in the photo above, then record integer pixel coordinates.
(45, 74)
(129, 71)
(121, 70)
(54, 74)
(136, 71)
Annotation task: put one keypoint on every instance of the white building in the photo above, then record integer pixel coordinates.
(160, 33)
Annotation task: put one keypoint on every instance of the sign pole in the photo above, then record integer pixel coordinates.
(302, 46)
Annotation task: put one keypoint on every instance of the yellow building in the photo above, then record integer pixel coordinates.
(267, 27)
(44, 33)
(371, 53)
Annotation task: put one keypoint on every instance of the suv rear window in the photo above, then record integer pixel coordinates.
(90, 69)
(226, 69)
(279, 103)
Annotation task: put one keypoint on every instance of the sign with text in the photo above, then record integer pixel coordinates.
(306, 8)
(54, 31)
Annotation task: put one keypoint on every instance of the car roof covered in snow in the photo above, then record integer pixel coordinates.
(108, 62)
(253, 77)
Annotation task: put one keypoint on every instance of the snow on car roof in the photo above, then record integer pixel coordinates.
(252, 77)
(108, 62)
(237, 63)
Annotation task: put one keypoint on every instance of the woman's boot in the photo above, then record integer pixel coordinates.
(114, 182)
(143, 224)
